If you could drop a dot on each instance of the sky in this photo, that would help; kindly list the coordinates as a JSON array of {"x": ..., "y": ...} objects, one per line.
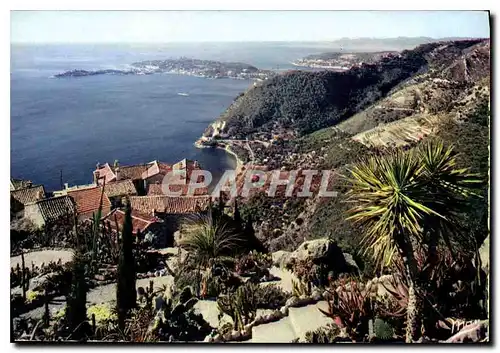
[{"x": 222, "y": 26}]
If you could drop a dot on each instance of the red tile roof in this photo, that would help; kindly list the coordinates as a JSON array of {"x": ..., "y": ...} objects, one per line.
[
  {"x": 139, "y": 221},
  {"x": 155, "y": 189},
  {"x": 133, "y": 172},
  {"x": 120, "y": 188},
  {"x": 87, "y": 201},
  {"x": 168, "y": 204},
  {"x": 105, "y": 172},
  {"x": 30, "y": 194}
]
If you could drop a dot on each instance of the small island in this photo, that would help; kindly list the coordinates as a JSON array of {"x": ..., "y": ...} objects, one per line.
[{"x": 183, "y": 66}]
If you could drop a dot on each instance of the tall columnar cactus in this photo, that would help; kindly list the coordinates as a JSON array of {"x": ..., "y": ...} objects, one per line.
[
  {"x": 25, "y": 280},
  {"x": 76, "y": 309},
  {"x": 126, "y": 294}
]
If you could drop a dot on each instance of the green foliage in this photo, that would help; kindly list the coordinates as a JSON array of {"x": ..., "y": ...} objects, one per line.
[
  {"x": 383, "y": 330},
  {"x": 76, "y": 309},
  {"x": 309, "y": 101},
  {"x": 209, "y": 238},
  {"x": 271, "y": 296},
  {"x": 325, "y": 334},
  {"x": 301, "y": 288},
  {"x": 241, "y": 306},
  {"x": 126, "y": 294},
  {"x": 398, "y": 193}
]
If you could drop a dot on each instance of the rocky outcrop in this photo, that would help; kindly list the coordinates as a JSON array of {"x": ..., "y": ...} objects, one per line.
[{"x": 319, "y": 251}]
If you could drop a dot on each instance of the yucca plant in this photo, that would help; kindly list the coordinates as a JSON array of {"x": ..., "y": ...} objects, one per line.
[
  {"x": 397, "y": 196},
  {"x": 209, "y": 239}
]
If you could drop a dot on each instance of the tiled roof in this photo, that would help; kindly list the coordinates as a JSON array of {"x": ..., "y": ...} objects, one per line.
[
  {"x": 133, "y": 172},
  {"x": 16, "y": 184},
  {"x": 30, "y": 194},
  {"x": 56, "y": 207},
  {"x": 105, "y": 172},
  {"x": 156, "y": 189},
  {"x": 167, "y": 204},
  {"x": 139, "y": 221},
  {"x": 120, "y": 188},
  {"x": 156, "y": 168},
  {"x": 87, "y": 200}
]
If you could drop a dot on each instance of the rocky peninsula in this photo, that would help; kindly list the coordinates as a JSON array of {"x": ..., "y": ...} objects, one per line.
[{"x": 183, "y": 66}]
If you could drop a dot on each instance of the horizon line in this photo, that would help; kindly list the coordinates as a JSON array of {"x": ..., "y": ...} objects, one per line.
[{"x": 253, "y": 41}]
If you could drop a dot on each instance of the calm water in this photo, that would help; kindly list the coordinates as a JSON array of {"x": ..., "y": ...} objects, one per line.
[{"x": 70, "y": 124}]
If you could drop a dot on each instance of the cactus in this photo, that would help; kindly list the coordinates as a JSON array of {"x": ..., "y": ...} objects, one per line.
[
  {"x": 383, "y": 330},
  {"x": 25, "y": 280},
  {"x": 240, "y": 306},
  {"x": 325, "y": 334},
  {"x": 46, "y": 314},
  {"x": 299, "y": 288}
]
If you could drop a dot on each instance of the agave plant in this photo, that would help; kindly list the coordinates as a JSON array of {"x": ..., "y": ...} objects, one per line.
[
  {"x": 350, "y": 307},
  {"x": 397, "y": 197}
]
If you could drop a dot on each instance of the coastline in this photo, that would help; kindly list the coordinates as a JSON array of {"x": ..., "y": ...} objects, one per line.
[{"x": 226, "y": 148}]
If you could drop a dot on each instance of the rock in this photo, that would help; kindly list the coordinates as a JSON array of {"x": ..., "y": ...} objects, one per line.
[
  {"x": 218, "y": 338},
  {"x": 317, "y": 249},
  {"x": 281, "y": 258},
  {"x": 291, "y": 302},
  {"x": 208, "y": 339},
  {"x": 284, "y": 310},
  {"x": 476, "y": 332}
]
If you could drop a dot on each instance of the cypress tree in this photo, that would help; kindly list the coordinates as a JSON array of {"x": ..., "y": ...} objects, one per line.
[
  {"x": 126, "y": 295},
  {"x": 253, "y": 242},
  {"x": 76, "y": 309},
  {"x": 237, "y": 216}
]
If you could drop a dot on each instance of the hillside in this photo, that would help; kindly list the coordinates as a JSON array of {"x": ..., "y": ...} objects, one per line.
[
  {"x": 297, "y": 103},
  {"x": 438, "y": 90}
]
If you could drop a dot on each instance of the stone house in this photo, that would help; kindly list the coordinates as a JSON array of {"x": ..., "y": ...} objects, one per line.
[
  {"x": 46, "y": 211},
  {"x": 16, "y": 184},
  {"x": 20, "y": 197}
]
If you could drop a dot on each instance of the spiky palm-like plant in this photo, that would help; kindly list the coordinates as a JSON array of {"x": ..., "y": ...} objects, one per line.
[
  {"x": 209, "y": 239},
  {"x": 397, "y": 196}
]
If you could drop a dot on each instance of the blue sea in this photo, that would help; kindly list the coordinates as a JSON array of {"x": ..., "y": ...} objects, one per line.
[{"x": 70, "y": 124}]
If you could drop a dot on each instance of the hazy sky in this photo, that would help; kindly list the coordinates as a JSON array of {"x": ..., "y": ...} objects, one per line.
[{"x": 188, "y": 26}]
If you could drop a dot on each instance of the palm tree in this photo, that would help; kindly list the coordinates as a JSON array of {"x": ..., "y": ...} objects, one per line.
[{"x": 397, "y": 197}]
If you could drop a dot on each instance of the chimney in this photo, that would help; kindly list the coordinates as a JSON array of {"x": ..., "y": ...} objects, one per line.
[
  {"x": 117, "y": 173},
  {"x": 96, "y": 177},
  {"x": 66, "y": 186}
]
